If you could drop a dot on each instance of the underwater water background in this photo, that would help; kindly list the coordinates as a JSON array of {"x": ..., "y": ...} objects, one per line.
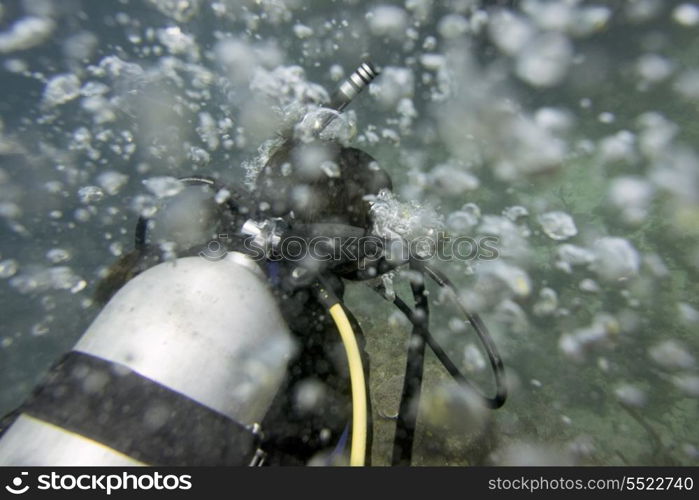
[{"x": 568, "y": 129}]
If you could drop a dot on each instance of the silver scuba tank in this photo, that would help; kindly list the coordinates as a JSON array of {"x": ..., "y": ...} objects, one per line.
[{"x": 178, "y": 368}]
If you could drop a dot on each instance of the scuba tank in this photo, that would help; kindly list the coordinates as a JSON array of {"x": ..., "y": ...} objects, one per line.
[{"x": 178, "y": 368}]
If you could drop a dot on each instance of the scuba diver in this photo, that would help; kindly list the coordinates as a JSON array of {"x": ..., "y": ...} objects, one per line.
[{"x": 239, "y": 350}]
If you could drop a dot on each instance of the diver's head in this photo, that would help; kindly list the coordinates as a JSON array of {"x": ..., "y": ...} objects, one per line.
[{"x": 320, "y": 182}]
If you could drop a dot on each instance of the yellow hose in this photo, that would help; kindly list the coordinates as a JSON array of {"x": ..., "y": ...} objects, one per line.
[{"x": 359, "y": 401}]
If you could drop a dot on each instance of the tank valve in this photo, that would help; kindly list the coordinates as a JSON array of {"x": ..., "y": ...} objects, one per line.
[{"x": 356, "y": 82}]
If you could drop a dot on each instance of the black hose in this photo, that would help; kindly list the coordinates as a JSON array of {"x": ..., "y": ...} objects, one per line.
[
  {"x": 475, "y": 320},
  {"x": 483, "y": 335},
  {"x": 412, "y": 383},
  {"x": 444, "y": 358}
]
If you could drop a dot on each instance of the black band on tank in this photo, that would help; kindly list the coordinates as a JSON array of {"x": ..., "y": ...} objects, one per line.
[{"x": 113, "y": 405}]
